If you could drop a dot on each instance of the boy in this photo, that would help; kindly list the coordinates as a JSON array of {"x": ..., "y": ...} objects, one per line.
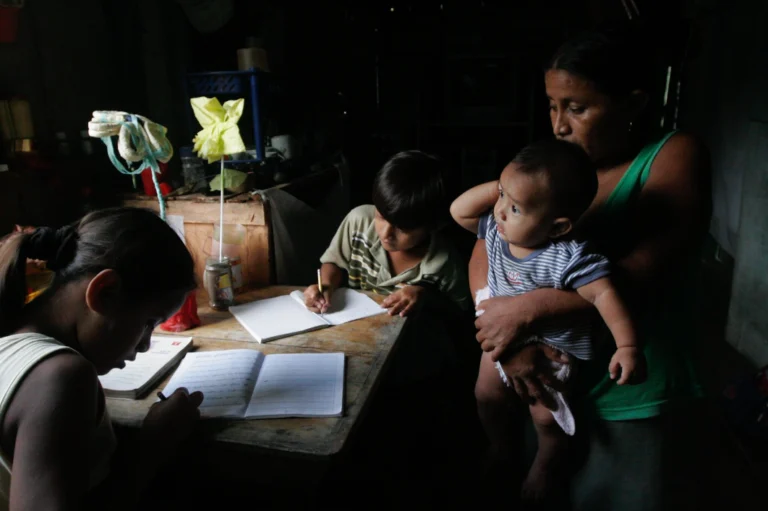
[
  {"x": 392, "y": 247},
  {"x": 535, "y": 203}
]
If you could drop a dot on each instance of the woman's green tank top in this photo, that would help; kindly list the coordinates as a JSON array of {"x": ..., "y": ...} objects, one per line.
[{"x": 667, "y": 332}]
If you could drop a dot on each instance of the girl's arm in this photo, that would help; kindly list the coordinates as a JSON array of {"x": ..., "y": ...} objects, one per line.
[
  {"x": 55, "y": 415},
  {"x": 472, "y": 204}
]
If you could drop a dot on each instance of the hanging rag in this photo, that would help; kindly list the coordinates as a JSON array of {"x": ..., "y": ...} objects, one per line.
[{"x": 138, "y": 140}]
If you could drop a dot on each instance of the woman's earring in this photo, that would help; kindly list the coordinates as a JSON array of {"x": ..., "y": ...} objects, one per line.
[{"x": 630, "y": 127}]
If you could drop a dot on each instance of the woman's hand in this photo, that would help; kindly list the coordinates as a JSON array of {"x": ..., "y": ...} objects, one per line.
[
  {"x": 530, "y": 369},
  {"x": 403, "y": 301},
  {"x": 502, "y": 320}
]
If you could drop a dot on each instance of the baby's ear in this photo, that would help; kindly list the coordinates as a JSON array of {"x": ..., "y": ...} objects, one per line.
[{"x": 560, "y": 227}]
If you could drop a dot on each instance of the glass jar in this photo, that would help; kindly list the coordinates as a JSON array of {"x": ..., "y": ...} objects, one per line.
[{"x": 218, "y": 284}]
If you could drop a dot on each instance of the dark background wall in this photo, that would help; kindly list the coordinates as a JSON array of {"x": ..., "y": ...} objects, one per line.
[{"x": 458, "y": 78}]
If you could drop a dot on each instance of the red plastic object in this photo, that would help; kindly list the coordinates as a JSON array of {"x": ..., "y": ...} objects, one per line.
[
  {"x": 186, "y": 318},
  {"x": 149, "y": 185},
  {"x": 9, "y": 24}
]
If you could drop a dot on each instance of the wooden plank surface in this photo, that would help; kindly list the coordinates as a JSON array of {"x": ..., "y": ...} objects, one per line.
[
  {"x": 246, "y": 213},
  {"x": 199, "y": 221},
  {"x": 255, "y": 253},
  {"x": 367, "y": 343}
]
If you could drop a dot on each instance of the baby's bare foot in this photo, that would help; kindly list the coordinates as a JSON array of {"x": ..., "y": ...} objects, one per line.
[{"x": 538, "y": 484}]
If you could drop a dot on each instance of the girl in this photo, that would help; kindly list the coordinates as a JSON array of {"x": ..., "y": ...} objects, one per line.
[{"x": 118, "y": 274}]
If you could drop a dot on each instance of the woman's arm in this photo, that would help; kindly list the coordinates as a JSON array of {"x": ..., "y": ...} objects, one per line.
[
  {"x": 669, "y": 219},
  {"x": 507, "y": 318},
  {"x": 478, "y": 267}
]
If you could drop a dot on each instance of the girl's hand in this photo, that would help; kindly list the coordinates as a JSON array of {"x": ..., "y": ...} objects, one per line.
[
  {"x": 168, "y": 423},
  {"x": 403, "y": 301}
]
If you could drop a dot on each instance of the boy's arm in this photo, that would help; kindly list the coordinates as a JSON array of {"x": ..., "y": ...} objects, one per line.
[
  {"x": 603, "y": 295},
  {"x": 331, "y": 276},
  {"x": 472, "y": 204}
]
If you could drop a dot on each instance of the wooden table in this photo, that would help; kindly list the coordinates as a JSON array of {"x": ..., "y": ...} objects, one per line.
[{"x": 368, "y": 345}]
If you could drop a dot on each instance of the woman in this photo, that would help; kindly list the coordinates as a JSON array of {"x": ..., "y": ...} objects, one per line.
[{"x": 649, "y": 216}]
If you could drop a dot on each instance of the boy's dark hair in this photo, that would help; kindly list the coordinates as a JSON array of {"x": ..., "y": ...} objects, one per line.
[
  {"x": 409, "y": 191},
  {"x": 571, "y": 175},
  {"x": 146, "y": 252}
]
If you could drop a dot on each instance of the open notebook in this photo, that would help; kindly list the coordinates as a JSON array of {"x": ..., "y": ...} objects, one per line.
[
  {"x": 273, "y": 318},
  {"x": 249, "y": 384},
  {"x": 140, "y": 375}
]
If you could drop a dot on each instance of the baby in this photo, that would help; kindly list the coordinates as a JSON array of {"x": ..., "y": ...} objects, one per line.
[{"x": 533, "y": 206}]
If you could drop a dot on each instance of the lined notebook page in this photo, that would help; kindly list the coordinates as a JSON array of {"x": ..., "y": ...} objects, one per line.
[
  {"x": 346, "y": 305},
  {"x": 162, "y": 353},
  {"x": 226, "y": 379},
  {"x": 300, "y": 385},
  {"x": 273, "y": 318}
]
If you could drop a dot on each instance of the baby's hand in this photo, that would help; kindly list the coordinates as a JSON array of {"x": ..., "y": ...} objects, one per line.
[
  {"x": 402, "y": 302},
  {"x": 631, "y": 361},
  {"x": 317, "y": 301}
]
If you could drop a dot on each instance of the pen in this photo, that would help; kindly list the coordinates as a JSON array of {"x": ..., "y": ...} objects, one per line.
[
  {"x": 320, "y": 287},
  {"x": 161, "y": 396}
]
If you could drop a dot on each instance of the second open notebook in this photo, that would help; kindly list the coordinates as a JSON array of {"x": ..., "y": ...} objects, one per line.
[
  {"x": 249, "y": 384},
  {"x": 282, "y": 316}
]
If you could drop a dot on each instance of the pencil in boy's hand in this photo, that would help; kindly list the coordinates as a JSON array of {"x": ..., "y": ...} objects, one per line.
[
  {"x": 161, "y": 396},
  {"x": 319, "y": 282}
]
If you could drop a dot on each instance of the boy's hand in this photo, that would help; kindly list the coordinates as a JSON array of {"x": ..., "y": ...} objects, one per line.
[
  {"x": 402, "y": 302},
  {"x": 631, "y": 361},
  {"x": 315, "y": 300}
]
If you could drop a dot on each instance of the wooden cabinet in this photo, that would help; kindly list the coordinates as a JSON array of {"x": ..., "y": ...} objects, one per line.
[{"x": 201, "y": 214}]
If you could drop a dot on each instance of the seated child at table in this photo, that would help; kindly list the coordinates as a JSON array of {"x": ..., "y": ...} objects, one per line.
[
  {"x": 393, "y": 247},
  {"x": 110, "y": 290},
  {"x": 523, "y": 217}
]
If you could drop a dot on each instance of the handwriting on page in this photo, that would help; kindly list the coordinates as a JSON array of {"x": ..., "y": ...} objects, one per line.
[
  {"x": 299, "y": 385},
  {"x": 226, "y": 378}
]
